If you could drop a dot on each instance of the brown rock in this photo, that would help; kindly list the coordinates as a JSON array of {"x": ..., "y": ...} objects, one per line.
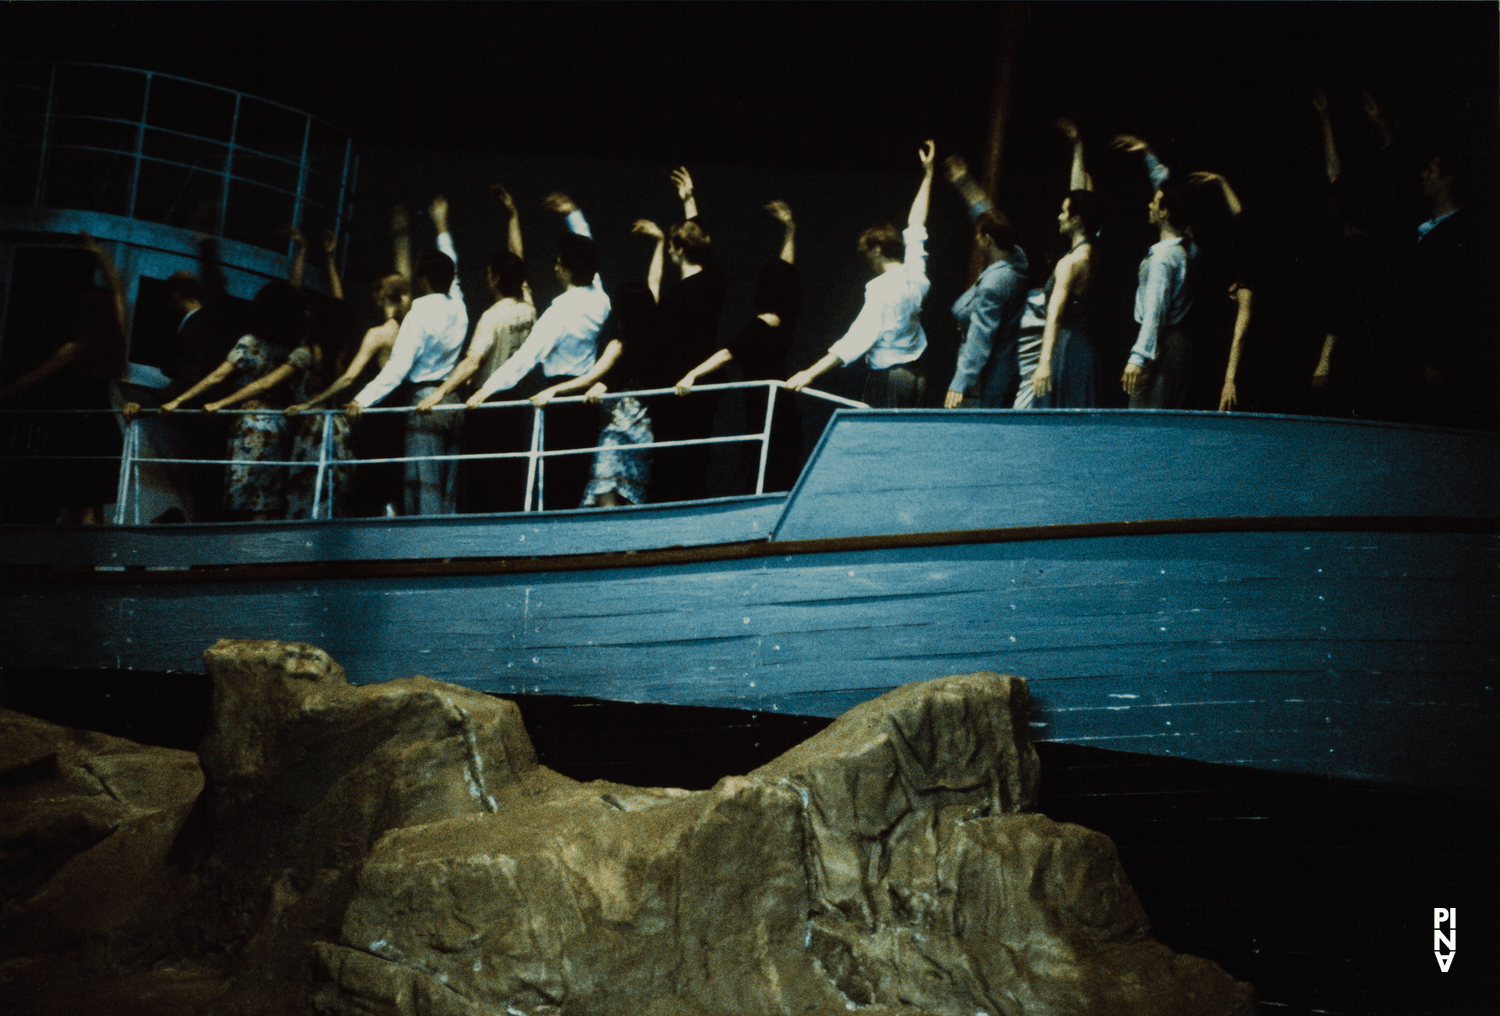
[{"x": 395, "y": 849}]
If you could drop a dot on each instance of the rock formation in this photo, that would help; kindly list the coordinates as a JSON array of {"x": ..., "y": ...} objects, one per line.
[{"x": 396, "y": 849}]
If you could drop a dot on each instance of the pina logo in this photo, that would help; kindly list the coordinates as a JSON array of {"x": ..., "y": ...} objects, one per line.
[{"x": 1444, "y": 939}]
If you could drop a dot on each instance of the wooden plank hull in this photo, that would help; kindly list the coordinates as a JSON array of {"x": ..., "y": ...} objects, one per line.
[{"x": 1368, "y": 655}]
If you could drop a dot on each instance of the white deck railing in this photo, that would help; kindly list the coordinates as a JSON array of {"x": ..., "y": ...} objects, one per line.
[{"x": 131, "y": 458}]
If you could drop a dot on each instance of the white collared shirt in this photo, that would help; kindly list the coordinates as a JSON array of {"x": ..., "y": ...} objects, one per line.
[
  {"x": 889, "y": 325},
  {"x": 431, "y": 337},
  {"x": 565, "y": 336}
]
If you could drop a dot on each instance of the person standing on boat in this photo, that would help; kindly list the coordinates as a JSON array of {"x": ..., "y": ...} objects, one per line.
[
  {"x": 502, "y": 329},
  {"x": 392, "y": 295},
  {"x": 1064, "y": 375},
  {"x": 78, "y": 376},
  {"x": 329, "y": 328},
  {"x": 689, "y": 316},
  {"x": 1158, "y": 371},
  {"x": 381, "y": 436},
  {"x": 561, "y": 346},
  {"x": 761, "y": 350},
  {"x": 989, "y": 312},
  {"x": 888, "y": 331},
  {"x": 427, "y": 346}
]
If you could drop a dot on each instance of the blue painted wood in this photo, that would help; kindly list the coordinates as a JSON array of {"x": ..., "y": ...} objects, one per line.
[
  {"x": 1234, "y": 645},
  {"x": 882, "y": 472},
  {"x": 581, "y": 531}
]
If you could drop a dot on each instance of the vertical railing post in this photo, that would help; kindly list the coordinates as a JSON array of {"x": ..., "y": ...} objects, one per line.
[
  {"x": 541, "y": 460},
  {"x": 140, "y": 143},
  {"x": 234, "y": 133},
  {"x": 41, "y": 159},
  {"x": 122, "y": 488},
  {"x": 536, "y": 431},
  {"x": 338, "y": 212},
  {"x": 765, "y": 435},
  {"x": 135, "y": 479},
  {"x": 301, "y": 183},
  {"x": 323, "y": 442}
]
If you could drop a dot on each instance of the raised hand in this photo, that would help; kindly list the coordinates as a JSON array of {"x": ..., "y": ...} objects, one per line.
[
  {"x": 400, "y": 221},
  {"x": 294, "y": 234},
  {"x": 500, "y": 194},
  {"x": 439, "y": 212},
  {"x": 955, "y": 168},
  {"x": 683, "y": 181},
  {"x": 927, "y": 154},
  {"x": 1320, "y": 101},
  {"x": 330, "y": 242},
  {"x": 1204, "y": 177},
  {"x": 1371, "y": 107},
  {"x": 560, "y": 203},
  {"x": 646, "y": 227},
  {"x": 1069, "y": 129},
  {"x": 1130, "y": 143},
  {"x": 780, "y": 211}
]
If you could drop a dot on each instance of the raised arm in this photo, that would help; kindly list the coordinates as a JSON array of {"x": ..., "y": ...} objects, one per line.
[
  {"x": 254, "y": 388},
  {"x": 917, "y": 218},
  {"x": 1154, "y": 166},
  {"x": 1078, "y": 179},
  {"x": 646, "y": 227},
  {"x": 1230, "y": 198},
  {"x": 683, "y": 181},
  {"x": 299, "y": 256},
  {"x": 957, "y": 172},
  {"x": 1331, "y": 164},
  {"x": 782, "y": 212},
  {"x": 111, "y": 276},
  {"x": 439, "y": 212},
  {"x": 513, "y": 218},
  {"x": 401, "y": 240},
  {"x": 331, "y": 244},
  {"x": 1372, "y": 110}
]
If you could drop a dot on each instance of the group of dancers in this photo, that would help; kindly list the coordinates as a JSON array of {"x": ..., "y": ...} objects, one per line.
[{"x": 1022, "y": 346}]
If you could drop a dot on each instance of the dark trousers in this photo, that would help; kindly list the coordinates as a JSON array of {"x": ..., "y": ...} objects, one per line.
[
  {"x": 898, "y": 387},
  {"x": 1169, "y": 375},
  {"x": 432, "y": 486}
]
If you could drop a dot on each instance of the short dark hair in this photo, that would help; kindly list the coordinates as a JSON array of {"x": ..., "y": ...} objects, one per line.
[
  {"x": 391, "y": 288},
  {"x": 690, "y": 238},
  {"x": 509, "y": 272},
  {"x": 1089, "y": 207},
  {"x": 1178, "y": 203},
  {"x": 578, "y": 255},
  {"x": 184, "y": 286},
  {"x": 885, "y": 238},
  {"x": 997, "y": 226},
  {"x": 437, "y": 268}
]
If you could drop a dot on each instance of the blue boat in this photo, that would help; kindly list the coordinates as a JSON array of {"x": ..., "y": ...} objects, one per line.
[{"x": 1307, "y": 595}]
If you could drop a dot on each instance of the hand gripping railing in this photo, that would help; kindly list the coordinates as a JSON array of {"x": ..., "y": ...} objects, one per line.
[{"x": 131, "y": 458}]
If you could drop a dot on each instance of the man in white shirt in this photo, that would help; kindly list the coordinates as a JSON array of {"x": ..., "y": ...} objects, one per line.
[
  {"x": 561, "y": 346},
  {"x": 427, "y": 346},
  {"x": 888, "y": 331}
]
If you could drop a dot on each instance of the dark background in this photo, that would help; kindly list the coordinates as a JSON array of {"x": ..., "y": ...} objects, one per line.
[{"x": 1319, "y": 892}]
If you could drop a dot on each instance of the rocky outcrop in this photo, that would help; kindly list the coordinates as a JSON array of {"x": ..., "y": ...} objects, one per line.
[{"x": 395, "y": 849}]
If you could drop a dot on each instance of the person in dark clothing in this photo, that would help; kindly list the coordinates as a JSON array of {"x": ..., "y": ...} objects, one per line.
[
  {"x": 689, "y": 316},
  {"x": 761, "y": 349},
  {"x": 1452, "y": 311},
  {"x": 78, "y": 375}
]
